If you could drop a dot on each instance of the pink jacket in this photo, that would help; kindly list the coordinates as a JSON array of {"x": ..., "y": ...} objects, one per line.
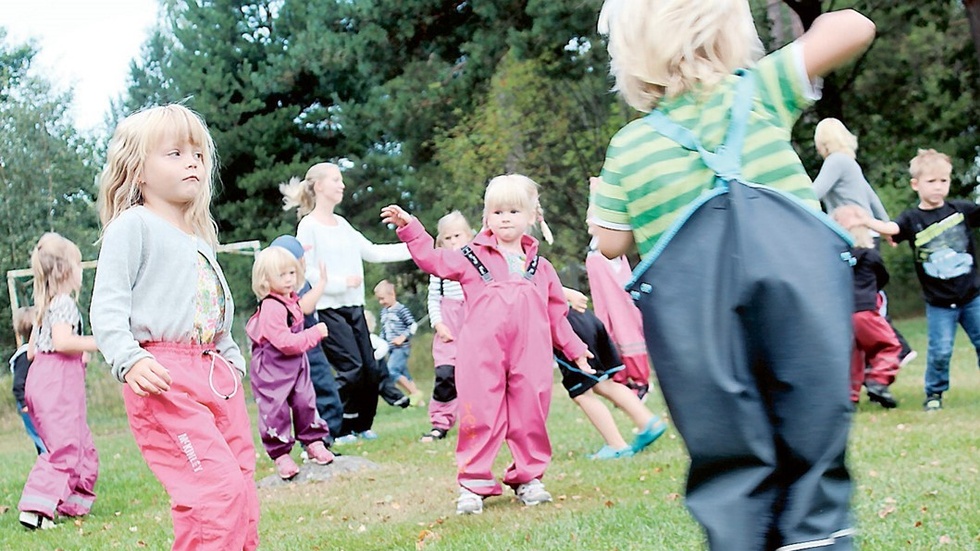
[
  {"x": 268, "y": 324},
  {"x": 451, "y": 264}
]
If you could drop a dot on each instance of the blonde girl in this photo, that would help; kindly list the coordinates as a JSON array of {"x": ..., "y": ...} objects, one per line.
[
  {"x": 62, "y": 480},
  {"x": 331, "y": 240},
  {"x": 841, "y": 180},
  {"x": 515, "y": 313},
  {"x": 280, "y": 370},
  {"x": 445, "y": 303},
  {"x": 162, "y": 314}
]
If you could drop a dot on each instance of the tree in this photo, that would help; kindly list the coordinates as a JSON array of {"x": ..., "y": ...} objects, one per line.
[{"x": 47, "y": 170}]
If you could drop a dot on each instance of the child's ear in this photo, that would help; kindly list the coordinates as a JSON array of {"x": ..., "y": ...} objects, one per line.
[{"x": 914, "y": 182}]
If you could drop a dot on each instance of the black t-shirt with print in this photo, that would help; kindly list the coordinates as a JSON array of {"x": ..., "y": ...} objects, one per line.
[{"x": 943, "y": 249}]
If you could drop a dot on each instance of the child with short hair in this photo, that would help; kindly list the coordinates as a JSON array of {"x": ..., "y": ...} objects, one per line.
[
  {"x": 20, "y": 364},
  {"x": 939, "y": 234},
  {"x": 162, "y": 313},
  {"x": 321, "y": 372},
  {"x": 446, "y": 304},
  {"x": 387, "y": 388},
  {"x": 744, "y": 294},
  {"x": 280, "y": 372},
  {"x": 397, "y": 323},
  {"x": 876, "y": 346},
  {"x": 583, "y": 387},
  {"x": 62, "y": 480},
  {"x": 504, "y": 390}
]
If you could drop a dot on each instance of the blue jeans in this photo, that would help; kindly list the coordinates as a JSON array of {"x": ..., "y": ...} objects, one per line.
[
  {"x": 942, "y": 331},
  {"x": 31, "y": 431},
  {"x": 398, "y": 362}
]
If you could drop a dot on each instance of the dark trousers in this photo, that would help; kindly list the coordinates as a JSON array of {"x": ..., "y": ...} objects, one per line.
[
  {"x": 747, "y": 316},
  {"x": 348, "y": 348},
  {"x": 328, "y": 403},
  {"x": 389, "y": 391}
]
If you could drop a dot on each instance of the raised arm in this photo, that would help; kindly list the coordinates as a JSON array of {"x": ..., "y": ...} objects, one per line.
[{"x": 834, "y": 39}]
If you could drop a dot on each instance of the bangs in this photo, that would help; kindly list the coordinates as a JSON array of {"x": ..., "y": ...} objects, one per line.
[
  {"x": 512, "y": 190},
  {"x": 180, "y": 124}
]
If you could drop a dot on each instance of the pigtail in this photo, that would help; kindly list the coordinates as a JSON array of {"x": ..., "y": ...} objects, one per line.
[
  {"x": 298, "y": 194},
  {"x": 545, "y": 230}
]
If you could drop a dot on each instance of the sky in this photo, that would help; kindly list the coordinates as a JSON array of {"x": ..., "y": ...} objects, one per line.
[{"x": 84, "y": 44}]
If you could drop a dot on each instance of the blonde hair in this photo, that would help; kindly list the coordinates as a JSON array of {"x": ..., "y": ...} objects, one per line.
[
  {"x": 516, "y": 190},
  {"x": 299, "y": 194},
  {"x": 134, "y": 137},
  {"x": 835, "y": 138},
  {"x": 454, "y": 219},
  {"x": 54, "y": 261},
  {"x": 384, "y": 286},
  {"x": 848, "y": 216},
  {"x": 24, "y": 321},
  {"x": 928, "y": 158},
  {"x": 666, "y": 48},
  {"x": 269, "y": 263}
]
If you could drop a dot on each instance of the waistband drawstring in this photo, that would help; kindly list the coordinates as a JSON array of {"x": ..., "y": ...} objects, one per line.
[{"x": 231, "y": 370}]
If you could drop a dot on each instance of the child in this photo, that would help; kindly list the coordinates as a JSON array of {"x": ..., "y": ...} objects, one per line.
[
  {"x": 321, "y": 372},
  {"x": 583, "y": 387},
  {"x": 280, "y": 371},
  {"x": 396, "y": 329},
  {"x": 20, "y": 364},
  {"x": 446, "y": 305},
  {"x": 938, "y": 231},
  {"x": 518, "y": 312},
  {"x": 875, "y": 343},
  {"x": 616, "y": 311},
  {"x": 162, "y": 313},
  {"x": 388, "y": 389},
  {"x": 744, "y": 295},
  {"x": 334, "y": 242},
  {"x": 63, "y": 479}
]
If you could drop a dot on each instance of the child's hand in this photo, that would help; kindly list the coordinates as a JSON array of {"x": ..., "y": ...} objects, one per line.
[
  {"x": 147, "y": 377},
  {"x": 443, "y": 332},
  {"x": 397, "y": 341},
  {"x": 577, "y": 300},
  {"x": 322, "y": 328},
  {"x": 354, "y": 281},
  {"x": 582, "y": 362},
  {"x": 393, "y": 214},
  {"x": 24, "y": 409}
]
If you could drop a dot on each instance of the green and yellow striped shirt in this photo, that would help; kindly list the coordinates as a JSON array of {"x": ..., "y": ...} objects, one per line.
[{"x": 648, "y": 180}]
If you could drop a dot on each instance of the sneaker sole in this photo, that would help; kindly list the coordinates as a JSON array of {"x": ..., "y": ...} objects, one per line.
[{"x": 882, "y": 401}]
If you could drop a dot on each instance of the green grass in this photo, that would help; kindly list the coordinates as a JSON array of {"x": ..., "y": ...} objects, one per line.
[{"x": 915, "y": 484}]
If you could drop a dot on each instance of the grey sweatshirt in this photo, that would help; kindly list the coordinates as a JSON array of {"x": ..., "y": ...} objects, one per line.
[
  {"x": 145, "y": 287},
  {"x": 841, "y": 182}
]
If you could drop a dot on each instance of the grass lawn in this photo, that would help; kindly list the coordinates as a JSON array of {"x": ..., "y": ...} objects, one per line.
[{"x": 915, "y": 482}]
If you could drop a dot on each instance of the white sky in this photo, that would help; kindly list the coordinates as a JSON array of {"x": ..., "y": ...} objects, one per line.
[{"x": 84, "y": 44}]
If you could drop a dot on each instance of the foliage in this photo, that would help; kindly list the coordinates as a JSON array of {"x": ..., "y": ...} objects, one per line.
[{"x": 47, "y": 170}]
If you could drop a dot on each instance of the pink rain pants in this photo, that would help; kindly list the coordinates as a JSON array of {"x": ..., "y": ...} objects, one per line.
[
  {"x": 442, "y": 412},
  {"x": 504, "y": 386},
  {"x": 199, "y": 445},
  {"x": 63, "y": 479}
]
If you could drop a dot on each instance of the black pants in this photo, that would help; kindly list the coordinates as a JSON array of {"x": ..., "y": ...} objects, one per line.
[
  {"x": 388, "y": 389},
  {"x": 328, "y": 403},
  {"x": 348, "y": 348},
  {"x": 747, "y": 315}
]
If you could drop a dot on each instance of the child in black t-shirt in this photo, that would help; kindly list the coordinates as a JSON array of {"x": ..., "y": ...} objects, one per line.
[{"x": 939, "y": 233}]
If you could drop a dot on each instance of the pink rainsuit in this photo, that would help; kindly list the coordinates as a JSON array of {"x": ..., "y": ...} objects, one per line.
[
  {"x": 280, "y": 375},
  {"x": 442, "y": 411},
  {"x": 63, "y": 479},
  {"x": 504, "y": 385},
  {"x": 615, "y": 309}
]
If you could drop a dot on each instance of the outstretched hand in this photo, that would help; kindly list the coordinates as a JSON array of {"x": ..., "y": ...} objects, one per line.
[{"x": 393, "y": 214}]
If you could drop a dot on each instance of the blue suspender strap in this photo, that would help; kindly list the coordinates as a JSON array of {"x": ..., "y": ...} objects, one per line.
[{"x": 480, "y": 267}]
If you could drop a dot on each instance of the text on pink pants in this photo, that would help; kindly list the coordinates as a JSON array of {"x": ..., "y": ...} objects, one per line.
[{"x": 199, "y": 445}]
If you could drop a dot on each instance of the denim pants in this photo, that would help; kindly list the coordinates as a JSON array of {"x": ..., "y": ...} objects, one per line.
[{"x": 942, "y": 332}]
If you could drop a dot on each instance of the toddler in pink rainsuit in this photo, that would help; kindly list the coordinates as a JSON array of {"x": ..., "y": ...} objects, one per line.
[
  {"x": 63, "y": 478},
  {"x": 280, "y": 369},
  {"x": 515, "y": 311}
]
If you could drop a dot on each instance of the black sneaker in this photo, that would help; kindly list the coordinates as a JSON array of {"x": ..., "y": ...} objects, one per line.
[
  {"x": 879, "y": 394},
  {"x": 934, "y": 402}
]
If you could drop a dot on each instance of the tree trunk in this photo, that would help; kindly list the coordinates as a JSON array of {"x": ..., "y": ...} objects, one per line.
[{"x": 973, "y": 15}]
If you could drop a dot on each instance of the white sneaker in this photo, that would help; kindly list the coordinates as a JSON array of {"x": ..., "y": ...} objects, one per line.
[
  {"x": 908, "y": 358},
  {"x": 468, "y": 503},
  {"x": 35, "y": 521},
  {"x": 532, "y": 493}
]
